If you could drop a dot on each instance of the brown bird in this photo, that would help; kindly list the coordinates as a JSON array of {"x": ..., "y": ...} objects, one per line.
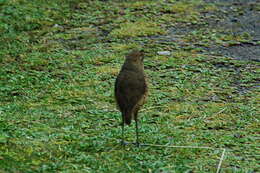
[{"x": 131, "y": 89}]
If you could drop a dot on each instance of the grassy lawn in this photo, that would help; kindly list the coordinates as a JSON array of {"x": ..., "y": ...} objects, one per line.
[{"x": 58, "y": 64}]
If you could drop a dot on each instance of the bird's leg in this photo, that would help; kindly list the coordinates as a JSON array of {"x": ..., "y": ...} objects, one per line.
[
  {"x": 123, "y": 131},
  {"x": 136, "y": 131}
]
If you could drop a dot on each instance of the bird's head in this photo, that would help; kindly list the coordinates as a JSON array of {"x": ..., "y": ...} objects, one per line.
[{"x": 136, "y": 56}]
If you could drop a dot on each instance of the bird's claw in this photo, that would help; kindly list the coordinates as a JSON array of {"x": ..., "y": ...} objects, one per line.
[{"x": 123, "y": 143}]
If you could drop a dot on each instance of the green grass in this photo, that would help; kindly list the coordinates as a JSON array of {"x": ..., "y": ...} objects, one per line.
[
  {"x": 58, "y": 64},
  {"x": 139, "y": 28}
]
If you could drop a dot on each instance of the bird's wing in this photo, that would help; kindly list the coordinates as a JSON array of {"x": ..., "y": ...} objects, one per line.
[{"x": 129, "y": 89}]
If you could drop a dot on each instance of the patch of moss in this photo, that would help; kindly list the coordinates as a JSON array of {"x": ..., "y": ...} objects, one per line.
[
  {"x": 138, "y": 28},
  {"x": 186, "y": 11},
  {"x": 123, "y": 47}
]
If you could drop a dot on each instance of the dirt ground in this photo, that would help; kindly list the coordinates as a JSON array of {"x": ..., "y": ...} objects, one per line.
[
  {"x": 234, "y": 18},
  {"x": 239, "y": 17}
]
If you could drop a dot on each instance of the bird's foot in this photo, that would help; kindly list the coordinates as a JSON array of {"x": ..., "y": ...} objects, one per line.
[{"x": 123, "y": 143}]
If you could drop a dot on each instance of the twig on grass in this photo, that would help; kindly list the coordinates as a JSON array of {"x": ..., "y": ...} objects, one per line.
[
  {"x": 181, "y": 146},
  {"x": 221, "y": 159}
]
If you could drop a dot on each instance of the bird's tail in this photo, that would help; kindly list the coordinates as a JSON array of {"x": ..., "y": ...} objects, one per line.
[{"x": 127, "y": 117}]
